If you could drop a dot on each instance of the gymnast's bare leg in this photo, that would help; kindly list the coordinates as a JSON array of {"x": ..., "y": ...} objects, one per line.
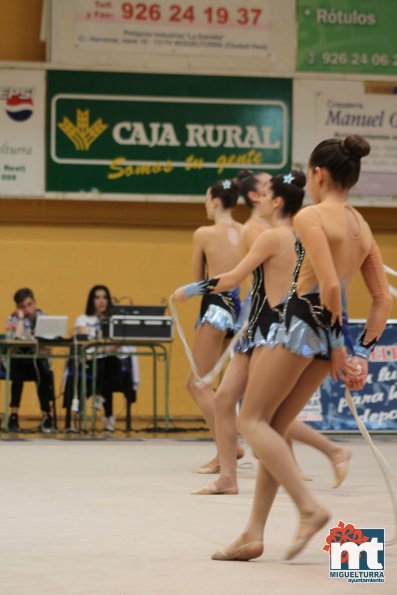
[
  {"x": 272, "y": 401},
  {"x": 209, "y": 344},
  {"x": 228, "y": 394},
  {"x": 338, "y": 455}
]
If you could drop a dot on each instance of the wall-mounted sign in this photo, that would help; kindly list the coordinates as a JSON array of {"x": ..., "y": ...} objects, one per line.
[
  {"x": 254, "y": 36},
  {"x": 334, "y": 109},
  {"x": 162, "y": 135},
  {"x": 348, "y": 36},
  {"x": 376, "y": 403},
  {"x": 22, "y": 97}
]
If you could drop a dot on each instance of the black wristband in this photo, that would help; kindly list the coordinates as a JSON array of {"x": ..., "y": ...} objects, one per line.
[{"x": 211, "y": 285}]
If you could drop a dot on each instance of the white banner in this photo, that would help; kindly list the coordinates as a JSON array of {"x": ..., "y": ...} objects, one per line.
[
  {"x": 169, "y": 34},
  {"x": 335, "y": 109},
  {"x": 22, "y": 100}
]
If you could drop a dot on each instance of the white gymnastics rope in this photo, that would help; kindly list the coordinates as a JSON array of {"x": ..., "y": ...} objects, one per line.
[
  {"x": 390, "y": 271},
  {"x": 387, "y": 472},
  {"x": 209, "y": 377}
]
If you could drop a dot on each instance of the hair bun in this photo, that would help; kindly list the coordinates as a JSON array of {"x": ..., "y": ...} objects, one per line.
[
  {"x": 241, "y": 176},
  {"x": 299, "y": 178},
  {"x": 244, "y": 173},
  {"x": 356, "y": 146},
  {"x": 230, "y": 185}
]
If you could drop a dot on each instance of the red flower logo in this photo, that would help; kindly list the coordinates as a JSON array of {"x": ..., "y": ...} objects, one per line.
[{"x": 342, "y": 534}]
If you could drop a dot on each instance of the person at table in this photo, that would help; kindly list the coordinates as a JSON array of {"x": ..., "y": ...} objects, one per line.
[
  {"x": 20, "y": 325},
  {"x": 115, "y": 373}
]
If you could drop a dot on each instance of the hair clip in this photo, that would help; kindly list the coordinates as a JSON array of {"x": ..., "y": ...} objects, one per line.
[
  {"x": 226, "y": 184},
  {"x": 288, "y": 179}
]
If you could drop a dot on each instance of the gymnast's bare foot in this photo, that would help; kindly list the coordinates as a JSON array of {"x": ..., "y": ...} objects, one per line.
[
  {"x": 310, "y": 524},
  {"x": 243, "y": 549},
  {"x": 220, "y": 486},
  {"x": 213, "y": 466},
  {"x": 340, "y": 462}
]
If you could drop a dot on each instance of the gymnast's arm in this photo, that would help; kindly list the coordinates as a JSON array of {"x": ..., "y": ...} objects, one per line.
[
  {"x": 375, "y": 279},
  {"x": 265, "y": 246}
]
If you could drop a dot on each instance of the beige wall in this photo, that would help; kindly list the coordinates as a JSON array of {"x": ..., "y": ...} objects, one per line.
[
  {"x": 145, "y": 262},
  {"x": 61, "y": 249},
  {"x": 61, "y": 264}
]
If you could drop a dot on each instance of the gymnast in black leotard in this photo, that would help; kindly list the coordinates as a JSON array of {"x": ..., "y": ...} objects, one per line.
[
  {"x": 337, "y": 244},
  {"x": 263, "y": 324},
  {"x": 273, "y": 251},
  {"x": 215, "y": 249}
]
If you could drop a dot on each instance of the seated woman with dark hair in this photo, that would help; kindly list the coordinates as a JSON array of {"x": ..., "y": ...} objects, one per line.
[{"x": 114, "y": 373}]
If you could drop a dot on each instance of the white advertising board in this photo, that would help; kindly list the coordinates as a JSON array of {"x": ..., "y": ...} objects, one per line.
[
  {"x": 188, "y": 36},
  {"x": 335, "y": 109},
  {"x": 22, "y": 113}
]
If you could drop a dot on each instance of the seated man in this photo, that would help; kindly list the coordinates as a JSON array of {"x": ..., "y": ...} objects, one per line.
[{"x": 20, "y": 325}]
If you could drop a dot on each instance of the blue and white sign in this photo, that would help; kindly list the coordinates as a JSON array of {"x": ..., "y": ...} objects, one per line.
[{"x": 376, "y": 403}]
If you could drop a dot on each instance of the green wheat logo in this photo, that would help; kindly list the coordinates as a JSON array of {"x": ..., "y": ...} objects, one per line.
[{"x": 82, "y": 134}]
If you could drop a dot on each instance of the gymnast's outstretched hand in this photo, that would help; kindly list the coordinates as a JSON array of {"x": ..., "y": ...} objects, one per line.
[
  {"x": 179, "y": 295},
  {"x": 182, "y": 294}
]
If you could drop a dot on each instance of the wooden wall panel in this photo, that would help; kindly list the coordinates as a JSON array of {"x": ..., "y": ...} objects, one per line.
[
  {"x": 20, "y": 30},
  {"x": 68, "y": 212}
]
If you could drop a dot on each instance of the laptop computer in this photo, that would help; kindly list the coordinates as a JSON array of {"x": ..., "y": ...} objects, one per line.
[{"x": 51, "y": 327}]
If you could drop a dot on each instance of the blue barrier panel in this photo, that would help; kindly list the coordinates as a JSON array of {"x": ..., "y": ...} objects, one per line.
[{"x": 376, "y": 403}]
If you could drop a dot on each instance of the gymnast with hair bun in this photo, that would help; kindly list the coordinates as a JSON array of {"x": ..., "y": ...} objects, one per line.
[
  {"x": 272, "y": 259},
  {"x": 216, "y": 248},
  {"x": 335, "y": 243}
]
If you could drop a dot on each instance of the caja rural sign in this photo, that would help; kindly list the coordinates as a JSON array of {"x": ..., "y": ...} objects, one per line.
[{"x": 162, "y": 135}]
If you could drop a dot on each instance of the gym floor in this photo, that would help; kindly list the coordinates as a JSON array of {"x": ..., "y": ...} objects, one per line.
[{"x": 113, "y": 515}]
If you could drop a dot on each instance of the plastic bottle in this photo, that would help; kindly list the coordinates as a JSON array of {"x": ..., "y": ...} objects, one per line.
[
  {"x": 10, "y": 331},
  {"x": 27, "y": 330},
  {"x": 98, "y": 330}
]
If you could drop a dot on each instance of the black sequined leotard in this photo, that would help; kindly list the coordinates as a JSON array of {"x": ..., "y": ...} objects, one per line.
[
  {"x": 306, "y": 328},
  {"x": 261, "y": 317},
  {"x": 220, "y": 310}
]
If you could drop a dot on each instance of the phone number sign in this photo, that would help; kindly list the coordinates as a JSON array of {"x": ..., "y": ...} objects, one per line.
[
  {"x": 347, "y": 36},
  {"x": 186, "y": 27}
]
